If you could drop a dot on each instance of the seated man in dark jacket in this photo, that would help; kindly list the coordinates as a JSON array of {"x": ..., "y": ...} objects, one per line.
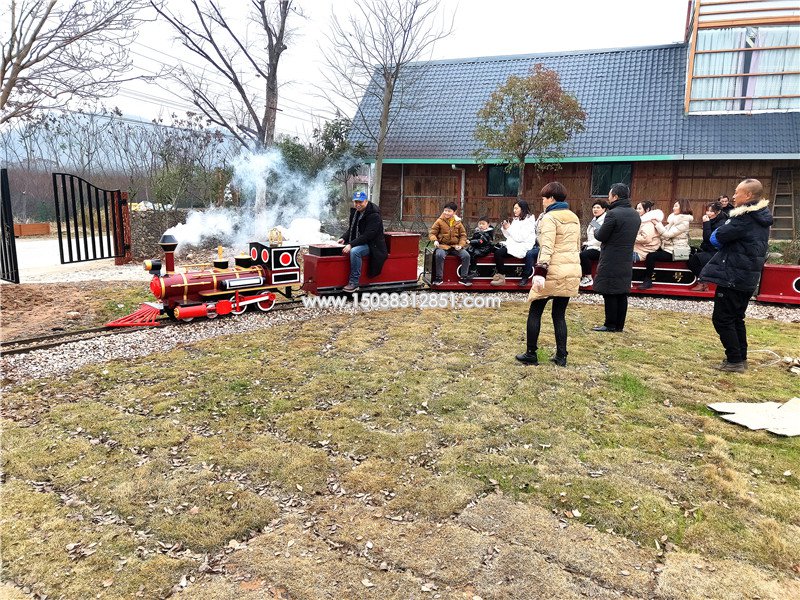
[
  {"x": 364, "y": 237},
  {"x": 713, "y": 218},
  {"x": 742, "y": 243}
]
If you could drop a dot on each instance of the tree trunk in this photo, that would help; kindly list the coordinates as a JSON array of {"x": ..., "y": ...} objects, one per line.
[
  {"x": 384, "y": 129},
  {"x": 521, "y": 186},
  {"x": 376, "y": 182},
  {"x": 271, "y": 106}
]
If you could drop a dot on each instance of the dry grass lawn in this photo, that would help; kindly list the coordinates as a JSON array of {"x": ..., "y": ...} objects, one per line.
[{"x": 404, "y": 454}]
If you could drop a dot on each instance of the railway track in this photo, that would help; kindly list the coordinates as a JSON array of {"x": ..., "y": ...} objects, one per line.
[{"x": 44, "y": 342}]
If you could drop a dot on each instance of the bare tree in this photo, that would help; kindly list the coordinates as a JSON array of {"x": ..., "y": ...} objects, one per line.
[
  {"x": 57, "y": 51},
  {"x": 370, "y": 51},
  {"x": 245, "y": 106}
]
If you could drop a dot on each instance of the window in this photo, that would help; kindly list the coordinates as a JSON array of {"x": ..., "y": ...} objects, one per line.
[
  {"x": 502, "y": 183},
  {"x": 743, "y": 69},
  {"x": 604, "y": 175}
]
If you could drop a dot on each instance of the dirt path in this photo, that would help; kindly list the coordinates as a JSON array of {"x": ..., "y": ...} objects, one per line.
[{"x": 33, "y": 309}]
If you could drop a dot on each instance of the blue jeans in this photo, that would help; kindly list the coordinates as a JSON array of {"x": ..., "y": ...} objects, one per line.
[
  {"x": 530, "y": 259},
  {"x": 356, "y": 254}
]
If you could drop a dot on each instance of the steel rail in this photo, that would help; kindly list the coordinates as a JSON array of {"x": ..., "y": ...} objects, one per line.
[{"x": 23, "y": 346}]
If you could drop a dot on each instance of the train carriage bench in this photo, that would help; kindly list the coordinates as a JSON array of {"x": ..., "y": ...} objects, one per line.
[{"x": 779, "y": 283}]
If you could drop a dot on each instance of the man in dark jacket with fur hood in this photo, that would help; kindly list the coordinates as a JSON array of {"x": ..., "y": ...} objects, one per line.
[
  {"x": 742, "y": 243},
  {"x": 364, "y": 237}
]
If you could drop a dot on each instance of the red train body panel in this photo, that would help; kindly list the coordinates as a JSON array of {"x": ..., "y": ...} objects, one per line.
[
  {"x": 326, "y": 270},
  {"x": 780, "y": 284},
  {"x": 217, "y": 289}
]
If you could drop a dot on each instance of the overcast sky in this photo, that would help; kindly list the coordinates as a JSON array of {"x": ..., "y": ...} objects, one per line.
[{"x": 481, "y": 28}]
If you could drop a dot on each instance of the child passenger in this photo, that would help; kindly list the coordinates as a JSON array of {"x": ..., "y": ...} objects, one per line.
[
  {"x": 480, "y": 244},
  {"x": 449, "y": 237}
]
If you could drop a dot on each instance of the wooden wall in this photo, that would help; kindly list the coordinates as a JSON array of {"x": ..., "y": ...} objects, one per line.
[{"x": 427, "y": 187}]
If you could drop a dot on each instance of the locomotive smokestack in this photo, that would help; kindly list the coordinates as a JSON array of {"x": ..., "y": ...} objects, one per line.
[{"x": 168, "y": 244}]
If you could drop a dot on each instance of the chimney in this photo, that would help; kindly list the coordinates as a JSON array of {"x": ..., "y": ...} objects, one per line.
[{"x": 168, "y": 244}]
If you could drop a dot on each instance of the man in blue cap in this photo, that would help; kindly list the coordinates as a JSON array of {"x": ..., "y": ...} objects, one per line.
[{"x": 364, "y": 237}]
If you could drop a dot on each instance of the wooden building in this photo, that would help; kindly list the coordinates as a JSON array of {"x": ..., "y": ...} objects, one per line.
[{"x": 678, "y": 121}]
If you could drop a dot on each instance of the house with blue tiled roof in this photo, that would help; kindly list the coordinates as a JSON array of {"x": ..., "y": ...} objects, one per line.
[{"x": 686, "y": 120}]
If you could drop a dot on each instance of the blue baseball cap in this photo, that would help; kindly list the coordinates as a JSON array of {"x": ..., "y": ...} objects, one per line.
[{"x": 359, "y": 196}]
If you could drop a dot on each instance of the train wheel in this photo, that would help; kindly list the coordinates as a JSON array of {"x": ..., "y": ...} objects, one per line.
[
  {"x": 241, "y": 309},
  {"x": 212, "y": 315},
  {"x": 266, "y": 305},
  {"x": 189, "y": 320}
]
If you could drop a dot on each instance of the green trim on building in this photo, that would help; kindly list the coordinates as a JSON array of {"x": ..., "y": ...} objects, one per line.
[
  {"x": 472, "y": 161},
  {"x": 591, "y": 159}
]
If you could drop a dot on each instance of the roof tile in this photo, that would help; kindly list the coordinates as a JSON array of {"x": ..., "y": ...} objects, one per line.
[{"x": 633, "y": 98}]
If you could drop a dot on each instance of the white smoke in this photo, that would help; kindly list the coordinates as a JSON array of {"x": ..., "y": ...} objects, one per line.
[{"x": 273, "y": 196}]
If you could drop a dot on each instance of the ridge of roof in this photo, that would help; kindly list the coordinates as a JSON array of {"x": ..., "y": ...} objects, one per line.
[{"x": 511, "y": 57}]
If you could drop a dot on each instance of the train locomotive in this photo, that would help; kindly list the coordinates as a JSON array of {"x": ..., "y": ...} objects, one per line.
[
  {"x": 217, "y": 288},
  {"x": 256, "y": 279}
]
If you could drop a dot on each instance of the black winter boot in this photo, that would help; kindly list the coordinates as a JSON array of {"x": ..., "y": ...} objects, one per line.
[{"x": 528, "y": 358}]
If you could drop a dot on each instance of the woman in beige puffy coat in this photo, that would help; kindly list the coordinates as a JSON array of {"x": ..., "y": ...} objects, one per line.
[
  {"x": 648, "y": 239},
  {"x": 557, "y": 273},
  {"x": 674, "y": 240}
]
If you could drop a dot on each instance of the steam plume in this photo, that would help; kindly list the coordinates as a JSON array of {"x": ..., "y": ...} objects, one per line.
[{"x": 274, "y": 196}]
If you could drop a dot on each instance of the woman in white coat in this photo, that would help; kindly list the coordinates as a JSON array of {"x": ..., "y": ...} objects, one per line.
[
  {"x": 674, "y": 240},
  {"x": 591, "y": 250},
  {"x": 520, "y": 234}
]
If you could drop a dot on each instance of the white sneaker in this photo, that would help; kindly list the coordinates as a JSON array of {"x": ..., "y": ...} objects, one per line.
[{"x": 586, "y": 281}]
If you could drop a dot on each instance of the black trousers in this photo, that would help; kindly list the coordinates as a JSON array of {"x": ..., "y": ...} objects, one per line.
[
  {"x": 586, "y": 257},
  {"x": 650, "y": 262},
  {"x": 475, "y": 253},
  {"x": 728, "y": 319},
  {"x": 616, "y": 306},
  {"x": 559, "y": 324},
  {"x": 697, "y": 261},
  {"x": 501, "y": 254}
]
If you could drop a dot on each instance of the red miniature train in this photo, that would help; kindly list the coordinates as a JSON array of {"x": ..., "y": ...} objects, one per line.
[
  {"x": 214, "y": 289},
  {"x": 210, "y": 290},
  {"x": 780, "y": 284}
]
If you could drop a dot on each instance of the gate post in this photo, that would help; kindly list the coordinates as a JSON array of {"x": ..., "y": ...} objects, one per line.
[
  {"x": 9, "y": 268},
  {"x": 124, "y": 230}
]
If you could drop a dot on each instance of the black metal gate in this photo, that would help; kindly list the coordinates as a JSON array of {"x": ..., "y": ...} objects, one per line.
[
  {"x": 89, "y": 220},
  {"x": 8, "y": 252}
]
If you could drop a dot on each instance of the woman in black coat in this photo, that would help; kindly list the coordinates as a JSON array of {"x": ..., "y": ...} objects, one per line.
[
  {"x": 615, "y": 269},
  {"x": 713, "y": 218}
]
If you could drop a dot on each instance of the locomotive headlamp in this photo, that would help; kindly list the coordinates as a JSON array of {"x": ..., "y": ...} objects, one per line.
[{"x": 153, "y": 266}]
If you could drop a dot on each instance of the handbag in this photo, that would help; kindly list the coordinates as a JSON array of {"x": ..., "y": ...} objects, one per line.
[{"x": 681, "y": 253}]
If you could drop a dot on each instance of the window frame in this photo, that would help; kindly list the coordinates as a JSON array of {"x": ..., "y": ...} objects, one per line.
[
  {"x": 743, "y": 86},
  {"x": 611, "y": 165},
  {"x": 506, "y": 174}
]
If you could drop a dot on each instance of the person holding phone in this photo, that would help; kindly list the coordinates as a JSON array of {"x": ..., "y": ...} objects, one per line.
[{"x": 520, "y": 234}]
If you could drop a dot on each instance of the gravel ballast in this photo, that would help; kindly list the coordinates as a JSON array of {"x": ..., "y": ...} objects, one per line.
[{"x": 135, "y": 344}]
